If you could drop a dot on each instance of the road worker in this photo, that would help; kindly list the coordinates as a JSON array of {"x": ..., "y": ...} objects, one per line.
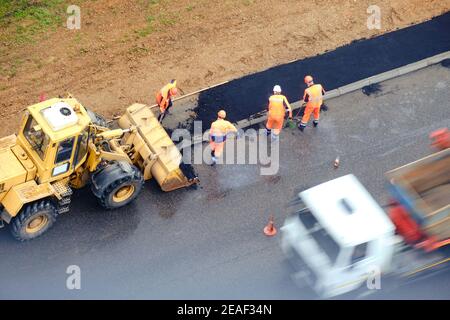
[
  {"x": 278, "y": 106},
  {"x": 164, "y": 98},
  {"x": 218, "y": 134},
  {"x": 313, "y": 97}
]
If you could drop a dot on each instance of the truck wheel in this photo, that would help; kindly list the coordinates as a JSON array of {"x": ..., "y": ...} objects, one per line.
[
  {"x": 33, "y": 220},
  {"x": 117, "y": 184}
]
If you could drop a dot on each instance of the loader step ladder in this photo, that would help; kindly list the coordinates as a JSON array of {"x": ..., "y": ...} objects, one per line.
[{"x": 63, "y": 189}]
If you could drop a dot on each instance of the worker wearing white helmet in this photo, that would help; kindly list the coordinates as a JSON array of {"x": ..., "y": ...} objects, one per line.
[
  {"x": 278, "y": 106},
  {"x": 218, "y": 134}
]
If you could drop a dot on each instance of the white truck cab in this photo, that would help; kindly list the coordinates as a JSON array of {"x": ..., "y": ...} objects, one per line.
[{"x": 338, "y": 237}]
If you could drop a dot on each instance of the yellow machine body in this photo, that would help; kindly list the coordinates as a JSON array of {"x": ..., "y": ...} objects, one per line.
[
  {"x": 59, "y": 146},
  {"x": 153, "y": 151}
]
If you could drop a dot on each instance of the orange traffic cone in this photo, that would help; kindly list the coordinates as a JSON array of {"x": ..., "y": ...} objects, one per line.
[{"x": 270, "y": 229}]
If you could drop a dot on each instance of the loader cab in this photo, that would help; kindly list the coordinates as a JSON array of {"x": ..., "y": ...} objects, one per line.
[
  {"x": 55, "y": 134},
  {"x": 337, "y": 237}
]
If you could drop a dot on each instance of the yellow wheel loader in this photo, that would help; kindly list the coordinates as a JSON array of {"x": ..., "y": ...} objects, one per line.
[{"x": 63, "y": 146}]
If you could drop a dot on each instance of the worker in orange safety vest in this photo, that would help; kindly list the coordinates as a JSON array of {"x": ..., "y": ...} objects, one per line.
[
  {"x": 278, "y": 106},
  {"x": 313, "y": 97},
  {"x": 218, "y": 135},
  {"x": 164, "y": 98}
]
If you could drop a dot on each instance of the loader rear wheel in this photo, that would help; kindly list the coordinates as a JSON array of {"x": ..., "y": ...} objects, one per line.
[
  {"x": 117, "y": 185},
  {"x": 33, "y": 220}
]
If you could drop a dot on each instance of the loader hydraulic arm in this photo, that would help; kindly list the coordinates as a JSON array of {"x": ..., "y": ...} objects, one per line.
[
  {"x": 106, "y": 147},
  {"x": 114, "y": 134}
]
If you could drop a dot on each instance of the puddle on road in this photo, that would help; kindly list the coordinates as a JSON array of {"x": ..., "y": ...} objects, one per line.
[
  {"x": 372, "y": 89},
  {"x": 166, "y": 213},
  {"x": 217, "y": 195},
  {"x": 272, "y": 179},
  {"x": 446, "y": 63}
]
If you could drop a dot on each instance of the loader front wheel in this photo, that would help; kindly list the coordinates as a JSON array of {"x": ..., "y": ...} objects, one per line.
[
  {"x": 124, "y": 193},
  {"x": 117, "y": 185},
  {"x": 33, "y": 220}
]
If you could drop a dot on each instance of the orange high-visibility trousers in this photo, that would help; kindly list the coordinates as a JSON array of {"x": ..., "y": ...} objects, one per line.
[
  {"x": 218, "y": 135},
  {"x": 275, "y": 124},
  {"x": 163, "y": 103},
  {"x": 308, "y": 110},
  {"x": 277, "y": 111}
]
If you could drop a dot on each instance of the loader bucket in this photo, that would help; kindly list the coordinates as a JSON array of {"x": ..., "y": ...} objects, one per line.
[{"x": 159, "y": 157}]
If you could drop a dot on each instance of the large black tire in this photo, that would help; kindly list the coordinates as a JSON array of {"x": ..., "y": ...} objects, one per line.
[
  {"x": 117, "y": 184},
  {"x": 33, "y": 220}
]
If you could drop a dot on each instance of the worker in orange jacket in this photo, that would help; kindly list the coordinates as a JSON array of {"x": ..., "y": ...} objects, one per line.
[
  {"x": 278, "y": 106},
  {"x": 164, "y": 98},
  {"x": 218, "y": 135},
  {"x": 313, "y": 97}
]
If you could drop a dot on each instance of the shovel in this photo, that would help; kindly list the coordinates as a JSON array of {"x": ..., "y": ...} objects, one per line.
[{"x": 292, "y": 123}]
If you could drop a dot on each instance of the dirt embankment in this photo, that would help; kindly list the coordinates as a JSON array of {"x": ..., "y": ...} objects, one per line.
[{"x": 126, "y": 49}]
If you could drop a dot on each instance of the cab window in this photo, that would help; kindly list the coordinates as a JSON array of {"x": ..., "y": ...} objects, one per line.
[
  {"x": 81, "y": 147},
  {"x": 36, "y": 137},
  {"x": 359, "y": 253},
  {"x": 329, "y": 246},
  {"x": 64, "y": 152}
]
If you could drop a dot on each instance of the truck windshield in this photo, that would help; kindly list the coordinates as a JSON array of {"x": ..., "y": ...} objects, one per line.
[
  {"x": 319, "y": 234},
  {"x": 36, "y": 137}
]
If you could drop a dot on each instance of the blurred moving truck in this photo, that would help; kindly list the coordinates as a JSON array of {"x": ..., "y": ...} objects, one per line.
[{"x": 339, "y": 239}]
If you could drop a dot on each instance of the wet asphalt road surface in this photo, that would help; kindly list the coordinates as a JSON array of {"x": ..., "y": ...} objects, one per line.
[{"x": 207, "y": 243}]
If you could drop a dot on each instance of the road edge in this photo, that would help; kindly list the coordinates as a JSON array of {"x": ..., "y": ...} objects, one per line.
[
  {"x": 391, "y": 74},
  {"x": 421, "y": 64}
]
